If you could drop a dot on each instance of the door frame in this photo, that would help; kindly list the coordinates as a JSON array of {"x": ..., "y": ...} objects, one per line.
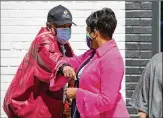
[{"x": 156, "y": 27}]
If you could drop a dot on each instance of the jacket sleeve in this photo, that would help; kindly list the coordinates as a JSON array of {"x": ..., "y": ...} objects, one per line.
[
  {"x": 90, "y": 104},
  {"x": 74, "y": 62},
  {"x": 47, "y": 55},
  {"x": 140, "y": 97}
]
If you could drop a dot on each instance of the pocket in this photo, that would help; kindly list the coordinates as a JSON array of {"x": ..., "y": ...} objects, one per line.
[{"x": 35, "y": 109}]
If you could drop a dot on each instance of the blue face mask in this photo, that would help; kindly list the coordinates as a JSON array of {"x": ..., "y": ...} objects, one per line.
[
  {"x": 63, "y": 35},
  {"x": 89, "y": 40}
]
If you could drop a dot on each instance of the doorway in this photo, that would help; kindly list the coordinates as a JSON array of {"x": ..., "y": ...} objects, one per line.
[{"x": 161, "y": 39}]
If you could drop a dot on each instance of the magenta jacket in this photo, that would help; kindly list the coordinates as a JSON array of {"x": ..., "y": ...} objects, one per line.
[
  {"x": 99, "y": 94},
  {"x": 28, "y": 95}
]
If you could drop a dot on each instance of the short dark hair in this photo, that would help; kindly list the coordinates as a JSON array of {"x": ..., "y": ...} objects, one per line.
[{"x": 104, "y": 21}]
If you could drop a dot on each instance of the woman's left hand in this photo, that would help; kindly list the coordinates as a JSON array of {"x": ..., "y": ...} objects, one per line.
[{"x": 71, "y": 92}]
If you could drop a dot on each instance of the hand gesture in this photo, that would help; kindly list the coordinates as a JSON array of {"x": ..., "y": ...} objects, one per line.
[
  {"x": 71, "y": 92},
  {"x": 69, "y": 72}
]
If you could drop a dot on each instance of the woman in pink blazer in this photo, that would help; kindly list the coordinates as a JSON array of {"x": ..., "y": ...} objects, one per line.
[{"x": 99, "y": 72}]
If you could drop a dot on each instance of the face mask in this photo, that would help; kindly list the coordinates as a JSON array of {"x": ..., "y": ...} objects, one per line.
[
  {"x": 63, "y": 35},
  {"x": 89, "y": 40}
]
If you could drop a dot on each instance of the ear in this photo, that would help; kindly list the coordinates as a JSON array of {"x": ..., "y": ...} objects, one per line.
[
  {"x": 96, "y": 33},
  {"x": 51, "y": 28},
  {"x": 48, "y": 25}
]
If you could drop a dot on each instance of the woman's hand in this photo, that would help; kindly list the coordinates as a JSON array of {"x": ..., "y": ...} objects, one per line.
[
  {"x": 142, "y": 115},
  {"x": 71, "y": 92},
  {"x": 69, "y": 72}
]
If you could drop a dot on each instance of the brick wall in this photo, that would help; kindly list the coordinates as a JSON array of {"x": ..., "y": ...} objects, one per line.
[
  {"x": 21, "y": 21},
  {"x": 138, "y": 44}
]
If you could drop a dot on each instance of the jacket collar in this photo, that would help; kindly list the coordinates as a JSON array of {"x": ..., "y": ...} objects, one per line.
[
  {"x": 44, "y": 31},
  {"x": 106, "y": 47}
]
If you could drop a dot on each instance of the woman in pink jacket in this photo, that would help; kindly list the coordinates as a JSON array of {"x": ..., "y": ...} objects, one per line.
[{"x": 99, "y": 72}]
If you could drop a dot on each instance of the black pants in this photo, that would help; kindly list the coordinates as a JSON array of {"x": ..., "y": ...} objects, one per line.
[{"x": 74, "y": 110}]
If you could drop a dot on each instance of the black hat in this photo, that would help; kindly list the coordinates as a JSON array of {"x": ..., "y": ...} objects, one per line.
[{"x": 60, "y": 15}]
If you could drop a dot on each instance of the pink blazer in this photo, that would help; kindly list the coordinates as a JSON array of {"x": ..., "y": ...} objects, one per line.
[{"x": 99, "y": 94}]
